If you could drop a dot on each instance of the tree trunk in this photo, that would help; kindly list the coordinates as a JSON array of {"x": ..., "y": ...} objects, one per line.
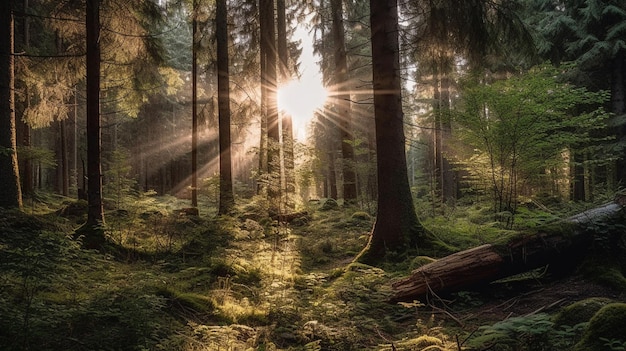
[
  {"x": 227, "y": 200},
  {"x": 10, "y": 191},
  {"x": 268, "y": 96},
  {"x": 396, "y": 228},
  {"x": 342, "y": 103},
  {"x": 194, "y": 107},
  {"x": 287, "y": 125},
  {"x": 487, "y": 263},
  {"x": 94, "y": 235}
]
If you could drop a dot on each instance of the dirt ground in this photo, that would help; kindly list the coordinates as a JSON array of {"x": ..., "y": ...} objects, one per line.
[{"x": 500, "y": 301}]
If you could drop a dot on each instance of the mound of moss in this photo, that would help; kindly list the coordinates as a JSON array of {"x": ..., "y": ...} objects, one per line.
[
  {"x": 606, "y": 328},
  {"x": 580, "y": 311}
]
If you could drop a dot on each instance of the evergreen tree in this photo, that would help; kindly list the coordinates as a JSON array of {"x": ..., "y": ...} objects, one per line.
[
  {"x": 223, "y": 80},
  {"x": 397, "y": 227},
  {"x": 10, "y": 195}
]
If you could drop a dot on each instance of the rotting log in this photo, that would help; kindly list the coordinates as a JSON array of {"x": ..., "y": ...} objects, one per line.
[{"x": 487, "y": 263}]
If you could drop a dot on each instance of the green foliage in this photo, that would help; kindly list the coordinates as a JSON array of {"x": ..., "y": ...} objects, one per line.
[
  {"x": 521, "y": 128},
  {"x": 535, "y": 332},
  {"x": 119, "y": 184},
  {"x": 42, "y": 155}
]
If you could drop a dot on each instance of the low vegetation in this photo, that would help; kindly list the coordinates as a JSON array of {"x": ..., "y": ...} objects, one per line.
[{"x": 172, "y": 280}]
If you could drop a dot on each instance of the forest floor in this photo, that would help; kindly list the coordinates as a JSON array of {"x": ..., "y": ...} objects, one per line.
[{"x": 178, "y": 282}]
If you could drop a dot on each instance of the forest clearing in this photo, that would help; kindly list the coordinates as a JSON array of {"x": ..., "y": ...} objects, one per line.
[{"x": 245, "y": 175}]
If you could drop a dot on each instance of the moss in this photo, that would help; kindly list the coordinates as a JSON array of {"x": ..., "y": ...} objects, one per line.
[
  {"x": 424, "y": 342},
  {"x": 188, "y": 302},
  {"x": 604, "y": 270},
  {"x": 608, "y": 324},
  {"x": 360, "y": 216},
  {"x": 419, "y": 261},
  {"x": 329, "y": 204},
  {"x": 580, "y": 311}
]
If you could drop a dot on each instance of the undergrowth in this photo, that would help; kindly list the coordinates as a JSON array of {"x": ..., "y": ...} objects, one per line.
[{"x": 172, "y": 280}]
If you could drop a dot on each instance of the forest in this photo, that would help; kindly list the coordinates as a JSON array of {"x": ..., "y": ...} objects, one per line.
[{"x": 313, "y": 175}]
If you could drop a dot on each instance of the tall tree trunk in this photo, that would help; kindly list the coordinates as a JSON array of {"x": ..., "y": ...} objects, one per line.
[
  {"x": 227, "y": 200},
  {"x": 63, "y": 173},
  {"x": 287, "y": 125},
  {"x": 10, "y": 191},
  {"x": 64, "y": 164},
  {"x": 342, "y": 103},
  {"x": 396, "y": 227},
  {"x": 448, "y": 177},
  {"x": 194, "y": 108},
  {"x": 94, "y": 236},
  {"x": 23, "y": 129},
  {"x": 268, "y": 71}
]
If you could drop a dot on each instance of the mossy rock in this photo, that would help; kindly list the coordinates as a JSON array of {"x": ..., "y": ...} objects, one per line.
[
  {"x": 606, "y": 326},
  {"x": 329, "y": 204},
  {"x": 360, "y": 216},
  {"x": 580, "y": 311}
]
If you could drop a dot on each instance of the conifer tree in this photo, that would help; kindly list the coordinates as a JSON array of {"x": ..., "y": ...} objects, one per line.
[{"x": 10, "y": 193}]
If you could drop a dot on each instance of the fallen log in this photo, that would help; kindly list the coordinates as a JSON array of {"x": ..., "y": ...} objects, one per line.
[{"x": 487, "y": 263}]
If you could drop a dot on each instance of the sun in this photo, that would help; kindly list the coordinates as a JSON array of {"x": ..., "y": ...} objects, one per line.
[{"x": 300, "y": 99}]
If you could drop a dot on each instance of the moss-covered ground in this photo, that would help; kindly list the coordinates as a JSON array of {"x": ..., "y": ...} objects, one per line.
[{"x": 168, "y": 280}]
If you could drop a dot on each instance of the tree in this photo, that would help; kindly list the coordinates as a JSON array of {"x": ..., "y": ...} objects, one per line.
[
  {"x": 194, "y": 105},
  {"x": 600, "y": 46},
  {"x": 287, "y": 125},
  {"x": 267, "y": 26},
  {"x": 10, "y": 193},
  {"x": 92, "y": 229},
  {"x": 397, "y": 227},
  {"x": 520, "y": 128},
  {"x": 342, "y": 103},
  {"x": 591, "y": 33},
  {"x": 476, "y": 30},
  {"x": 226, "y": 183}
]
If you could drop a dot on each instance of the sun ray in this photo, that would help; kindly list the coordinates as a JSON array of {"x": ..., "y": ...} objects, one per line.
[{"x": 301, "y": 99}]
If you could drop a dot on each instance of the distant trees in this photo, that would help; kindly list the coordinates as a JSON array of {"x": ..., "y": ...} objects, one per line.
[
  {"x": 342, "y": 101},
  {"x": 522, "y": 131},
  {"x": 590, "y": 33},
  {"x": 10, "y": 192}
]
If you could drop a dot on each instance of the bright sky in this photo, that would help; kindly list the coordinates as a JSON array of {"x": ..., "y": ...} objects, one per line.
[{"x": 301, "y": 98}]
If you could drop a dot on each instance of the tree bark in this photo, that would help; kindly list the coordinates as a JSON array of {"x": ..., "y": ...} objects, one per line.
[
  {"x": 487, "y": 263},
  {"x": 227, "y": 200},
  {"x": 287, "y": 124},
  {"x": 194, "y": 106},
  {"x": 10, "y": 191},
  {"x": 268, "y": 92},
  {"x": 396, "y": 228},
  {"x": 94, "y": 235},
  {"x": 342, "y": 103}
]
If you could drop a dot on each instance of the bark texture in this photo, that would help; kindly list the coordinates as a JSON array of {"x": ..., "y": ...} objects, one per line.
[
  {"x": 10, "y": 192},
  {"x": 227, "y": 200},
  {"x": 397, "y": 227},
  {"x": 487, "y": 263}
]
